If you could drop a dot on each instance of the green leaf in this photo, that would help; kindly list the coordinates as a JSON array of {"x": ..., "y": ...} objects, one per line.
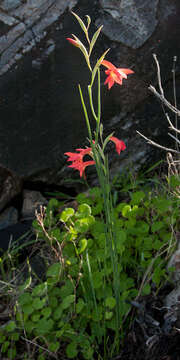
[
  {"x": 80, "y": 305},
  {"x": 156, "y": 226},
  {"x": 66, "y": 214},
  {"x": 52, "y": 204},
  {"x": 41, "y": 357},
  {"x": 40, "y": 289},
  {"x": 15, "y": 336},
  {"x": 29, "y": 326},
  {"x": 97, "y": 66},
  {"x": 44, "y": 326},
  {"x": 11, "y": 326},
  {"x": 66, "y": 289},
  {"x": 126, "y": 210},
  {"x": 12, "y": 353},
  {"x": 53, "y": 302},
  {"x": 68, "y": 301},
  {"x": 88, "y": 21},
  {"x": 35, "y": 317},
  {"x": 39, "y": 303},
  {"x": 46, "y": 312},
  {"x": 97, "y": 279},
  {"x": 82, "y": 246},
  {"x": 84, "y": 210},
  {"x": 107, "y": 140},
  {"x": 27, "y": 309},
  {"x": 121, "y": 237},
  {"x": 55, "y": 234},
  {"x": 57, "y": 313},
  {"x": 26, "y": 284},
  {"x": 94, "y": 39},
  {"x": 83, "y": 50},
  {"x": 174, "y": 181},
  {"x": 71, "y": 350},
  {"x": 108, "y": 315},
  {"x": 146, "y": 290},
  {"x": 81, "y": 225},
  {"x": 110, "y": 302},
  {"x": 54, "y": 270},
  {"x": 5, "y": 346},
  {"x": 54, "y": 346},
  {"x": 81, "y": 23},
  {"x": 25, "y": 298},
  {"x": 137, "y": 197}
]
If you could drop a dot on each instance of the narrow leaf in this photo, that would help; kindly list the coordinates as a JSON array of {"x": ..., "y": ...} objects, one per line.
[
  {"x": 94, "y": 38},
  {"x": 81, "y": 23},
  {"x": 83, "y": 49},
  {"x": 101, "y": 152},
  {"x": 88, "y": 21},
  {"x": 97, "y": 65},
  {"x": 107, "y": 140}
]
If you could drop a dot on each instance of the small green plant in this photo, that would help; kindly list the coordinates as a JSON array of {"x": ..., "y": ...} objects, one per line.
[{"x": 74, "y": 310}]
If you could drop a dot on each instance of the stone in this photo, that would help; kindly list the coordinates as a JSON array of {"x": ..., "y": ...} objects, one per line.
[
  {"x": 39, "y": 101},
  {"x": 32, "y": 20},
  {"x": 8, "y": 5},
  {"x": 10, "y": 186},
  {"x": 8, "y": 217},
  {"x": 15, "y": 235},
  {"x": 128, "y": 21},
  {"x": 32, "y": 200}
]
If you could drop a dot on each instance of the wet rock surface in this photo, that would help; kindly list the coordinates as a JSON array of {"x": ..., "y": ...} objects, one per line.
[
  {"x": 41, "y": 115},
  {"x": 130, "y": 22},
  {"x": 25, "y": 23},
  {"x": 10, "y": 186}
]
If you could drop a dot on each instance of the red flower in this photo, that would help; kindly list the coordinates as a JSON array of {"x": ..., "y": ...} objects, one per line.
[
  {"x": 73, "y": 42},
  {"x": 120, "y": 145},
  {"x": 81, "y": 166},
  {"x": 115, "y": 74},
  {"x": 79, "y": 157},
  {"x": 77, "y": 160}
]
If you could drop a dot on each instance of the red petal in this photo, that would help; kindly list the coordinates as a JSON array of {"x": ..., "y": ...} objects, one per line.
[
  {"x": 108, "y": 64},
  {"x": 126, "y": 71},
  {"x": 109, "y": 81},
  {"x": 120, "y": 145}
]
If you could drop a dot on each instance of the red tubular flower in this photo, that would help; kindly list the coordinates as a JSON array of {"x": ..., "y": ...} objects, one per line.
[
  {"x": 77, "y": 160},
  {"x": 120, "y": 145},
  {"x": 115, "y": 74},
  {"x": 73, "y": 156},
  {"x": 79, "y": 157},
  {"x": 73, "y": 42},
  {"x": 81, "y": 166},
  {"x": 87, "y": 151}
]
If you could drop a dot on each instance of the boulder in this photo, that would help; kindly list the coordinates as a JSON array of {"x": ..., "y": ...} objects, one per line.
[{"x": 41, "y": 116}]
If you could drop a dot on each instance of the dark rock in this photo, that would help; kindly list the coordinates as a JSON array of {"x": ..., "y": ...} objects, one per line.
[
  {"x": 19, "y": 233},
  {"x": 8, "y": 217},
  {"x": 10, "y": 186},
  {"x": 39, "y": 95},
  {"x": 32, "y": 200},
  {"x": 130, "y": 22}
]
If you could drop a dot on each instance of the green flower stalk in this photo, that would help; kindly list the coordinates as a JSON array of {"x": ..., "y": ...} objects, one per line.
[{"x": 97, "y": 151}]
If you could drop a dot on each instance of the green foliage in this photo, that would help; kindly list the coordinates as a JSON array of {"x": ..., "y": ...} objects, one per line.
[{"x": 75, "y": 307}]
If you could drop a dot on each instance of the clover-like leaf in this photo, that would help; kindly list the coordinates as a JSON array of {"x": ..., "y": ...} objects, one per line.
[
  {"x": 82, "y": 246},
  {"x": 54, "y": 270},
  {"x": 66, "y": 214},
  {"x": 110, "y": 302}
]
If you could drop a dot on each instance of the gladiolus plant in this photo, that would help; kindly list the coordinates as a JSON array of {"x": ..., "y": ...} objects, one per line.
[{"x": 96, "y": 151}]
